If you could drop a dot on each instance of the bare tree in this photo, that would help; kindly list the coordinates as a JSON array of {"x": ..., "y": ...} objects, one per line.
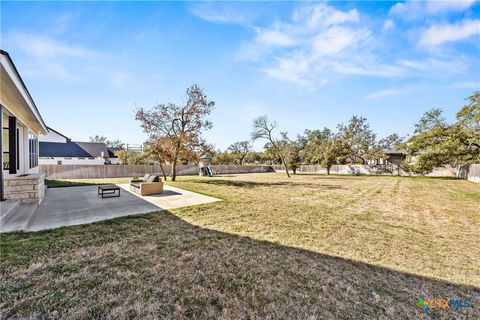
[
  {"x": 110, "y": 143},
  {"x": 240, "y": 150},
  {"x": 263, "y": 129},
  {"x": 184, "y": 125}
]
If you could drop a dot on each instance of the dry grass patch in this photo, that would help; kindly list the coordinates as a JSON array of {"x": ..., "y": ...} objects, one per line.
[{"x": 310, "y": 247}]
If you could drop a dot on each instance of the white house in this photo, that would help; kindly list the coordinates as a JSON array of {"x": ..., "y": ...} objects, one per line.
[
  {"x": 56, "y": 148},
  {"x": 53, "y": 136},
  {"x": 21, "y": 125}
]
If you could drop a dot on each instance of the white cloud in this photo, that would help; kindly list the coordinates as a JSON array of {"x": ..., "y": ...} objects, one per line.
[
  {"x": 47, "y": 56},
  {"x": 41, "y": 47},
  {"x": 444, "y": 6},
  {"x": 317, "y": 42},
  {"x": 388, "y": 24},
  {"x": 415, "y": 9},
  {"x": 274, "y": 38},
  {"x": 226, "y": 13},
  {"x": 366, "y": 68},
  {"x": 292, "y": 70},
  {"x": 337, "y": 39},
  {"x": 439, "y": 34},
  {"x": 383, "y": 94},
  {"x": 410, "y": 9},
  {"x": 324, "y": 15},
  {"x": 434, "y": 65}
]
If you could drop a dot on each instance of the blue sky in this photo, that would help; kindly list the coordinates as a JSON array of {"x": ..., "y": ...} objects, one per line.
[{"x": 89, "y": 65}]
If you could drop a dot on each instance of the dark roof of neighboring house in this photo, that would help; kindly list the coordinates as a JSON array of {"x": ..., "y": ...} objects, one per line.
[
  {"x": 396, "y": 151},
  {"x": 67, "y": 138},
  {"x": 94, "y": 148},
  {"x": 73, "y": 149},
  {"x": 111, "y": 152}
]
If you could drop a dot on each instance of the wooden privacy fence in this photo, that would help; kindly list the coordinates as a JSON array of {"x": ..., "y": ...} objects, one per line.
[
  {"x": 232, "y": 169},
  {"x": 474, "y": 173},
  {"x": 76, "y": 171},
  {"x": 73, "y": 171}
]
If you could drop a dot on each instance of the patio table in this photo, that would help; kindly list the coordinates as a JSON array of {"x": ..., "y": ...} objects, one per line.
[{"x": 110, "y": 190}]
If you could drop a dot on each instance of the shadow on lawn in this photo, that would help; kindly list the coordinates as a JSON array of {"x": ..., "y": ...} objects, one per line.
[
  {"x": 360, "y": 176},
  {"x": 253, "y": 184},
  {"x": 160, "y": 266}
]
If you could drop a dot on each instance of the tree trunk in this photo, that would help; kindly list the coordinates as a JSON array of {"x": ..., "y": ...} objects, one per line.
[
  {"x": 285, "y": 165},
  {"x": 174, "y": 170},
  {"x": 328, "y": 170},
  {"x": 174, "y": 163},
  {"x": 163, "y": 172}
]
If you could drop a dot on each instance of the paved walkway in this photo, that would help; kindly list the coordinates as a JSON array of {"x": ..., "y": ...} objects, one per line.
[{"x": 81, "y": 205}]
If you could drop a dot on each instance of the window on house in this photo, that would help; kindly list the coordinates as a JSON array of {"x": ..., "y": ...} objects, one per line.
[
  {"x": 32, "y": 150},
  {"x": 18, "y": 149},
  {"x": 59, "y": 162},
  {"x": 6, "y": 148}
]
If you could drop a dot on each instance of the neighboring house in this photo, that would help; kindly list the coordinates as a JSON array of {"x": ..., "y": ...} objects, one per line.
[
  {"x": 21, "y": 125},
  {"x": 56, "y": 148},
  {"x": 112, "y": 157},
  {"x": 53, "y": 136},
  {"x": 391, "y": 157},
  {"x": 396, "y": 156}
]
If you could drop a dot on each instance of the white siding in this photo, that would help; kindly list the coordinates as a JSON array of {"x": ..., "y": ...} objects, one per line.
[
  {"x": 52, "y": 136},
  {"x": 85, "y": 161}
]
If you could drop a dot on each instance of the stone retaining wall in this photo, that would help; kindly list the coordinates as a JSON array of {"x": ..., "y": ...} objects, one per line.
[{"x": 29, "y": 189}]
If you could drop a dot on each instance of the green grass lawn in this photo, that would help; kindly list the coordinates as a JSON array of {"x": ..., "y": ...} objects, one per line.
[
  {"x": 313, "y": 247},
  {"x": 84, "y": 182}
]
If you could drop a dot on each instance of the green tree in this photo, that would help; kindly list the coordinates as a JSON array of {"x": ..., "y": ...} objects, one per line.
[
  {"x": 293, "y": 152},
  {"x": 431, "y": 119},
  {"x": 314, "y": 142},
  {"x": 130, "y": 157},
  {"x": 324, "y": 147},
  {"x": 391, "y": 142},
  {"x": 333, "y": 151},
  {"x": 358, "y": 137},
  {"x": 439, "y": 144},
  {"x": 240, "y": 150},
  {"x": 223, "y": 158}
]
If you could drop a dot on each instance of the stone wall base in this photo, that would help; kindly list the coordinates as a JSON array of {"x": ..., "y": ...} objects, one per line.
[{"x": 28, "y": 189}]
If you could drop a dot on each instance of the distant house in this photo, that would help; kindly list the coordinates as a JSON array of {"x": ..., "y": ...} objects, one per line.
[
  {"x": 395, "y": 156},
  {"x": 54, "y": 136},
  {"x": 56, "y": 148}
]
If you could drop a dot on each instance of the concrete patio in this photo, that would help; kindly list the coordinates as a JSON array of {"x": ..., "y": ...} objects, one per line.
[{"x": 81, "y": 205}]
